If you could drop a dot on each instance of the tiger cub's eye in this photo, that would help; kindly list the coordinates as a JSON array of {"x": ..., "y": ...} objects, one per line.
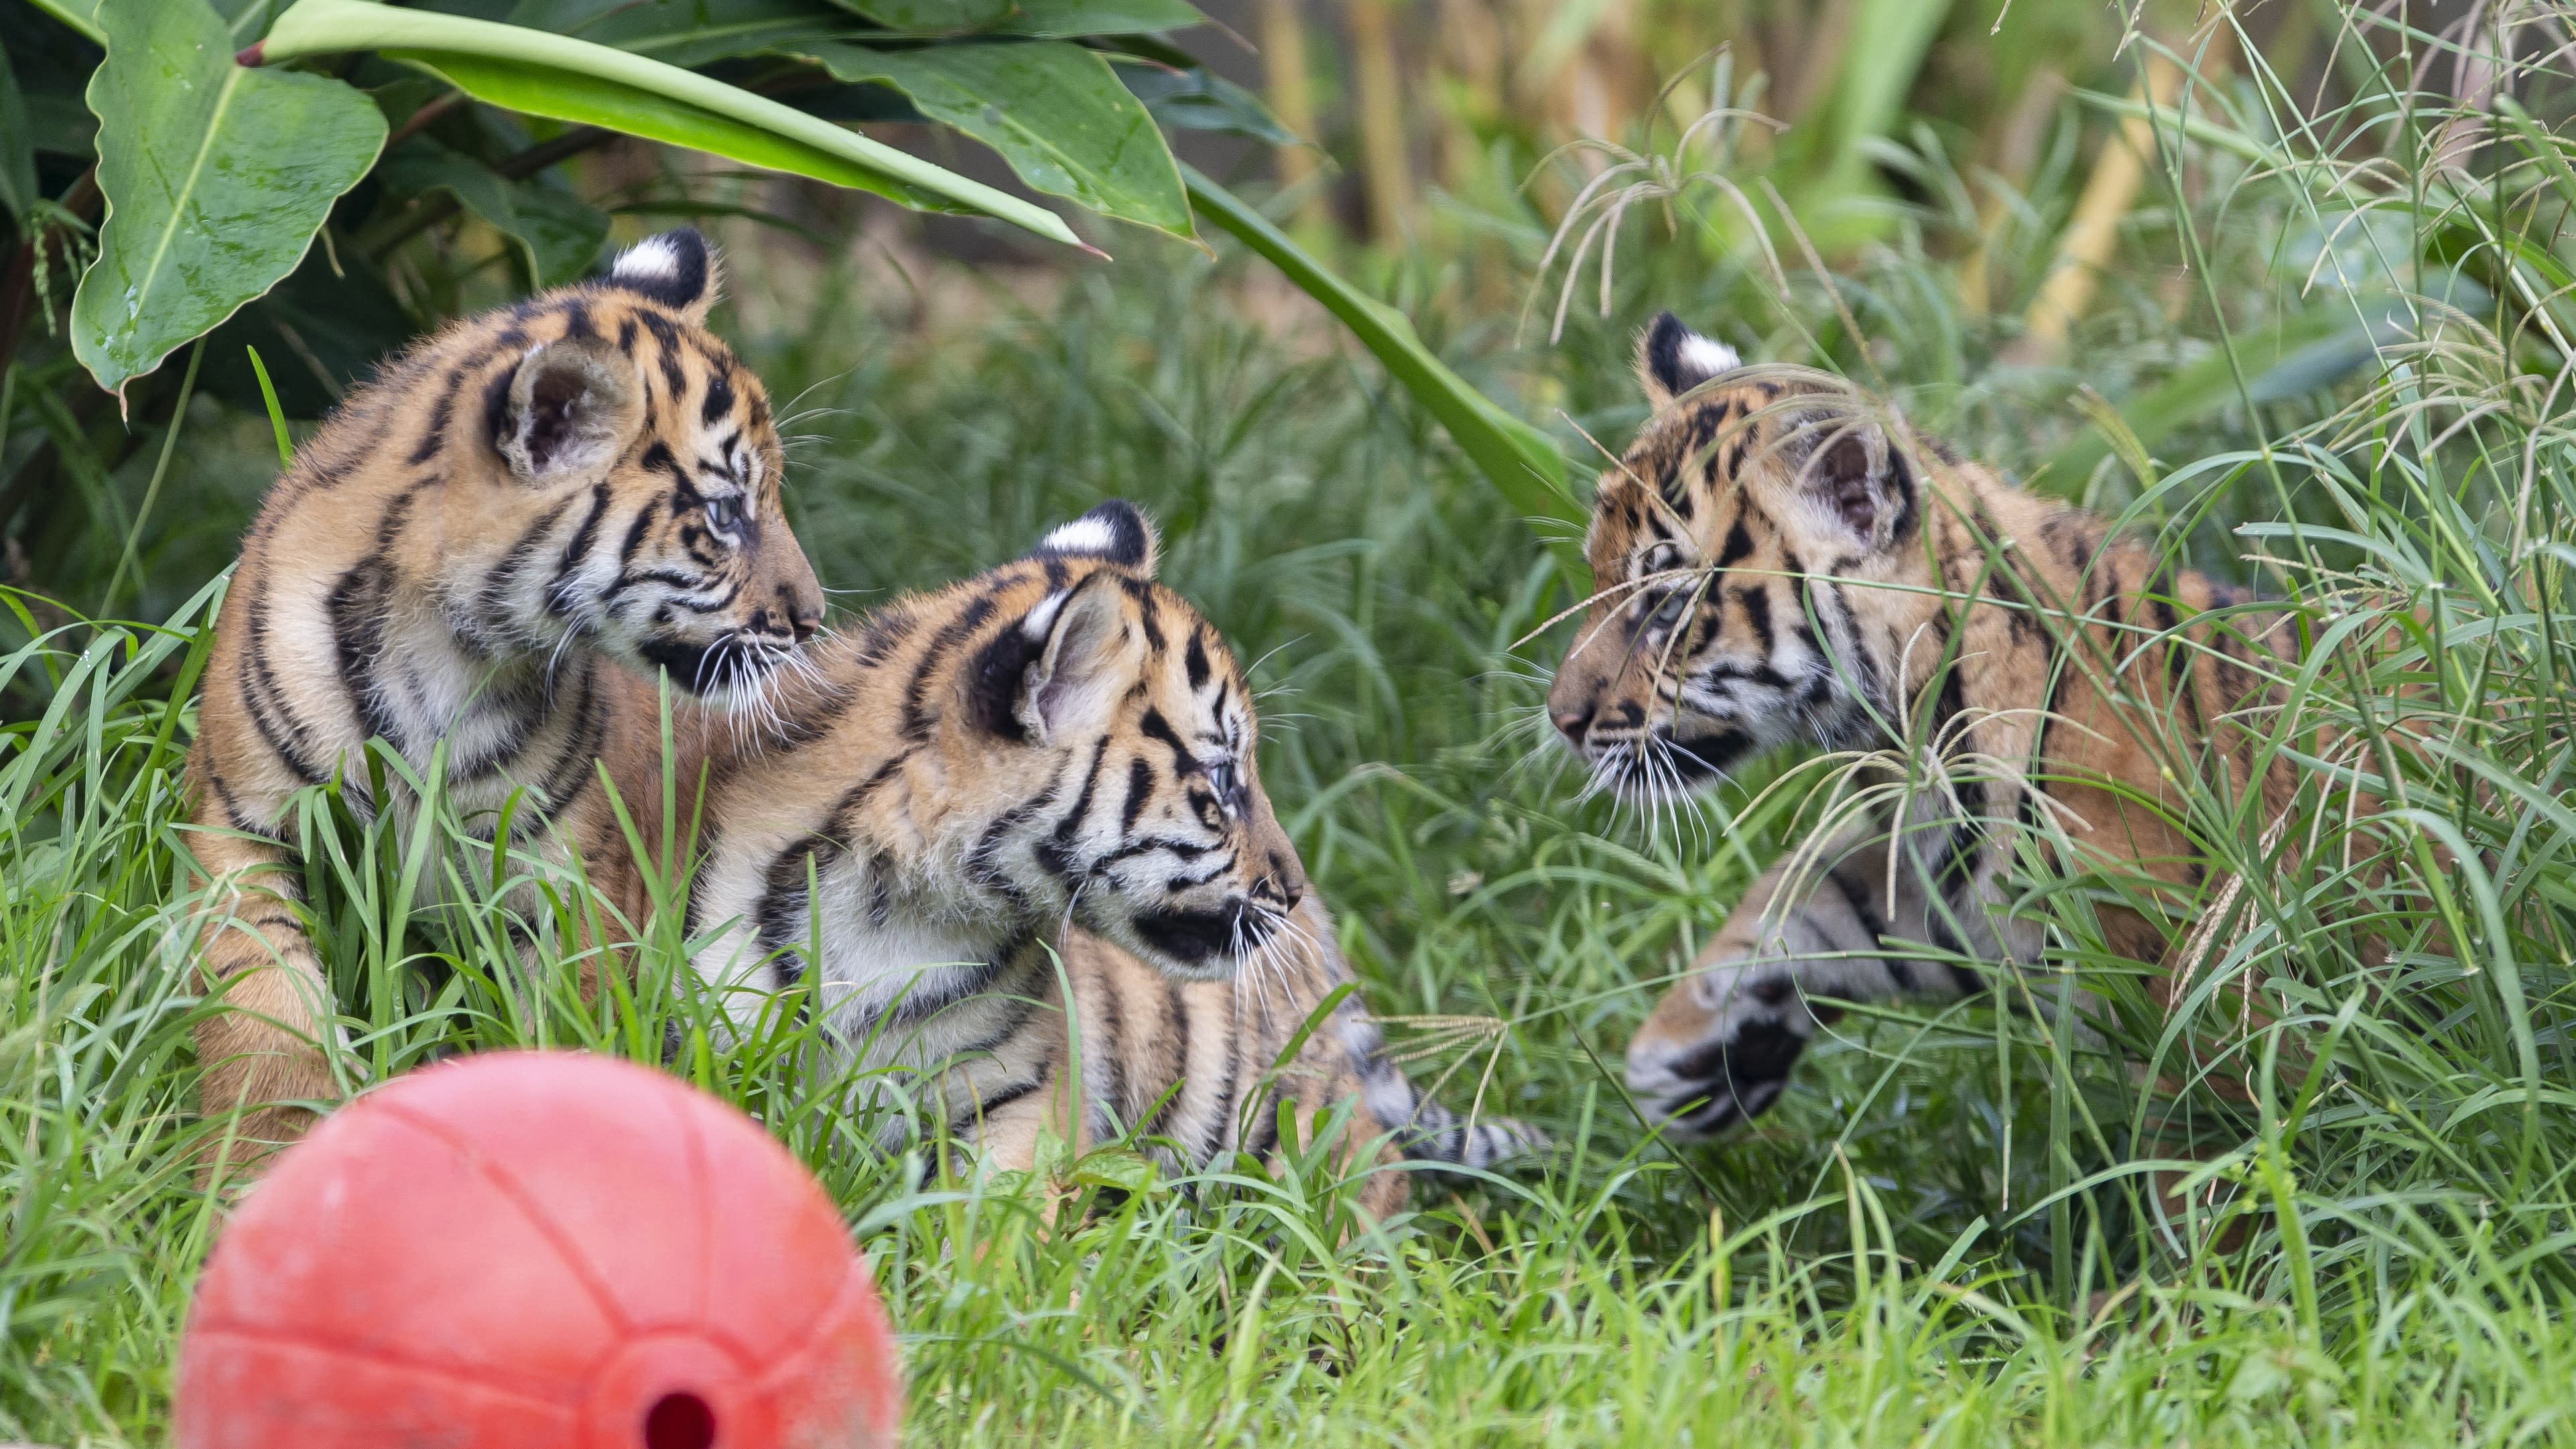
[{"x": 724, "y": 513}]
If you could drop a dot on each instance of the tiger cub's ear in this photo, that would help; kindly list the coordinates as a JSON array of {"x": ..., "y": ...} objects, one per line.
[
  {"x": 1672, "y": 359},
  {"x": 571, "y": 407},
  {"x": 1116, "y": 531},
  {"x": 1060, "y": 671},
  {"x": 676, "y": 269},
  {"x": 1843, "y": 467}
]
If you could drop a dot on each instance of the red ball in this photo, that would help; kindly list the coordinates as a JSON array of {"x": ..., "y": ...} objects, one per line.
[{"x": 537, "y": 1249}]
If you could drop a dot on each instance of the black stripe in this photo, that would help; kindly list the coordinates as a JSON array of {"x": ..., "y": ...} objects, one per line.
[
  {"x": 996, "y": 1102},
  {"x": 635, "y": 532},
  {"x": 1148, "y": 609},
  {"x": 1155, "y": 727},
  {"x": 1858, "y": 899},
  {"x": 961, "y": 984},
  {"x": 356, "y": 608},
  {"x": 1176, "y": 1043},
  {"x": 1739, "y": 543},
  {"x": 844, "y": 810},
  {"x": 397, "y": 515},
  {"x": 572, "y": 773},
  {"x": 1055, "y": 854},
  {"x": 270, "y": 711},
  {"x": 434, "y": 437},
  {"x": 576, "y": 548},
  {"x": 917, "y": 719},
  {"x": 667, "y": 335},
  {"x": 497, "y": 580},
  {"x": 1907, "y": 492},
  {"x": 496, "y": 407},
  {"x": 1265, "y": 1127},
  {"x": 884, "y": 633},
  {"x": 1756, "y": 601},
  {"x": 1140, "y": 788},
  {"x": 781, "y": 918},
  {"x": 979, "y": 861}
]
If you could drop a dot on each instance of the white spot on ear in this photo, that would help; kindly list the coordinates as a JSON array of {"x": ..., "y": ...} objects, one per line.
[
  {"x": 1082, "y": 536},
  {"x": 650, "y": 260},
  {"x": 1042, "y": 618},
  {"x": 1707, "y": 355}
]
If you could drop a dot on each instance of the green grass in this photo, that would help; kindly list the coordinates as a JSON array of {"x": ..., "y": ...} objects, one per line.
[{"x": 1932, "y": 1241}]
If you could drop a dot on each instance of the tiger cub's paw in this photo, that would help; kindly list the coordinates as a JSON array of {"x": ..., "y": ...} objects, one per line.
[{"x": 1719, "y": 1049}]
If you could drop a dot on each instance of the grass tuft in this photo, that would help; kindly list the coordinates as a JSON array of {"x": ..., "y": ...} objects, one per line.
[{"x": 2331, "y": 362}]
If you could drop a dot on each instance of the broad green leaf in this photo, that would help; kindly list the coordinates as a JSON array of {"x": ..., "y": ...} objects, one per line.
[
  {"x": 216, "y": 178},
  {"x": 1198, "y": 99},
  {"x": 930, "y": 17},
  {"x": 555, "y": 233},
  {"x": 17, "y": 146},
  {"x": 1515, "y": 457},
  {"x": 575, "y": 80},
  {"x": 1065, "y": 19},
  {"x": 687, "y": 32},
  {"x": 541, "y": 91},
  {"x": 1052, "y": 109}
]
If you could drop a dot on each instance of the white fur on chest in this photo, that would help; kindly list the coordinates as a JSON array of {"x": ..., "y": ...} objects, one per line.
[{"x": 891, "y": 979}]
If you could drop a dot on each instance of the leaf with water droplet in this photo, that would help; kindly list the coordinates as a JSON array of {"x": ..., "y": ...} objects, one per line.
[{"x": 216, "y": 178}]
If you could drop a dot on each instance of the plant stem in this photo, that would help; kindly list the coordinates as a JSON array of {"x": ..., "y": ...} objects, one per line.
[
  {"x": 1291, "y": 85},
  {"x": 152, "y": 490},
  {"x": 1384, "y": 153}
]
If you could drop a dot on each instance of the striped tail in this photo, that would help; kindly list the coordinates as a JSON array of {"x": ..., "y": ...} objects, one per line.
[
  {"x": 1426, "y": 1130},
  {"x": 1440, "y": 1135}
]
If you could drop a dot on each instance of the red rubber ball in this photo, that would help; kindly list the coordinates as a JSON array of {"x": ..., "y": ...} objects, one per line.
[{"x": 536, "y": 1249}]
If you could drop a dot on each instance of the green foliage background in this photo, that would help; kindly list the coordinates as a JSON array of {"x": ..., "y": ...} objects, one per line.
[{"x": 2326, "y": 361}]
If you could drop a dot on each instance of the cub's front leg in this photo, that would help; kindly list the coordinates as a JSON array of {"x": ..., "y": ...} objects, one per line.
[
  {"x": 263, "y": 1053},
  {"x": 1719, "y": 1046}
]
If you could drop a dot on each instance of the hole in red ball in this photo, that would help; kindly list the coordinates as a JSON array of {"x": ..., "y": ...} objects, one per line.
[{"x": 680, "y": 1421}]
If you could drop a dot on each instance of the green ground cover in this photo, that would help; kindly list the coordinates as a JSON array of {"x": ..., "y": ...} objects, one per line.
[{"x": 1933, "y": 1240}]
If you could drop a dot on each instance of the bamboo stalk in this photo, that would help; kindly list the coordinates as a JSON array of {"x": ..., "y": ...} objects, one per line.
[
  {"x": 1471, "y": 52},
  {"x": 1291, "y": 83},
  {"x": 2015, "y": 148},
  {"x": 1385, "y": 160},
  {"x": 2093, "y": 232}
]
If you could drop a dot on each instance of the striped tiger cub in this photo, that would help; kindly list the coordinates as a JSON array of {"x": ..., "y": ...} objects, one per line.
[
  {"x": 490, "y": 549},
  {"x": 1775, "y": 560},
  {"x": 1055, "y": 757}
]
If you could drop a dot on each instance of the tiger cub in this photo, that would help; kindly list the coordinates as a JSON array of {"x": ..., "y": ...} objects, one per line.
[
  {"x": 1775, "y": 560},
  {"x": 1054, "y": 757},
  {"x": 491, "y": 548}
]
